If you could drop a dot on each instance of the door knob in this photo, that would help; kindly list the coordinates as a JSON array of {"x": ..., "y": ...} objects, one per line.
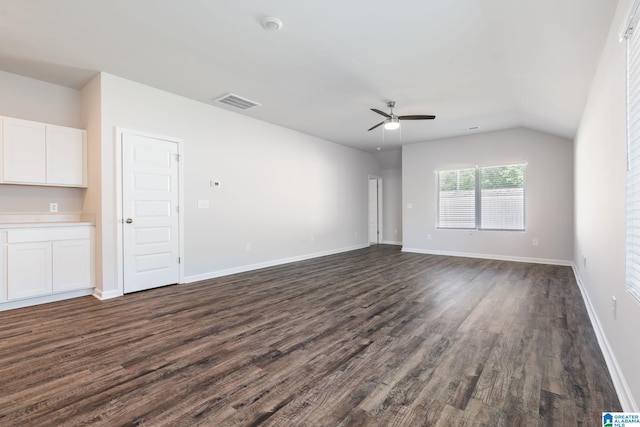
[{"x": 128, "y": 220}]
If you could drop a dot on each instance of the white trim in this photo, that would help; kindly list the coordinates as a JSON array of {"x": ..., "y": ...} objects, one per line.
[
  {"x": 619, "y": 382},
  {"x": 119, "y": 240},
  {"x": 630, "y": 18},
  {"x": 97, "y": 293},
  {"x": 491, "y": 256},
  {"x": 391, "y": 242},
  {"x": 45, "y": 299},
  {"x": 118, "y": 214},
  {"x": 273, "y": 263}
]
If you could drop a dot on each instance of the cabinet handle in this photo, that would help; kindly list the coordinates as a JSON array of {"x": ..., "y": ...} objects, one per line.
[{"x": 128, "y": 220}]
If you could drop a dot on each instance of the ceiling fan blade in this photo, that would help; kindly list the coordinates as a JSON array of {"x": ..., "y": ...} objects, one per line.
[
  {"x": 381, "y": 112},
  {"x": 416, "y": 117},
  {"x": 377, "y": 125}
]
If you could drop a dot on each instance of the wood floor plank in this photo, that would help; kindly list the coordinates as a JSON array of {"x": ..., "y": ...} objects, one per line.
[{"x": 373, "y": 337}]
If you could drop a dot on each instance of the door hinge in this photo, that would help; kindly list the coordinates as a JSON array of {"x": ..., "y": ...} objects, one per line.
[
  {"x": 179, "y": 260},
  {"x": 177, "y": 209},
  {"x": 177, "y": 157}
]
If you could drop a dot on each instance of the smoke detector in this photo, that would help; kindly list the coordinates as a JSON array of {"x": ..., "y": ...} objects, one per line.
[{"x": 271, "y": 24}]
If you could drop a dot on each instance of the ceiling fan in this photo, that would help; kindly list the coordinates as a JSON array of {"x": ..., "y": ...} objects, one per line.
[{"x": 392, "y": 121}]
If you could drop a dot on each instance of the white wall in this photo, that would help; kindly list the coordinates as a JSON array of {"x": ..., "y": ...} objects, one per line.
[
  {"x": 549, "y": 195},
  {"x": 30, "y": 99},
  {"x": 391, "y": 163},
  {"x": 91, "y": 107},
  {"x": 288, "y": 194},
  {"x": 600, "y": 167},
  {"x": 392, "y": 206}
]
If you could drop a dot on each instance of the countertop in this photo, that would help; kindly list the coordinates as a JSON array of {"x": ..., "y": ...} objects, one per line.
[{"x": 25, "y": 220}]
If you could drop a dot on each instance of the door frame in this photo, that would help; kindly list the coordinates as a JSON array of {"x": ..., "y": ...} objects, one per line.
[
  {"x": 378, "y": 179},
  {"x": 119, "y": 132}
]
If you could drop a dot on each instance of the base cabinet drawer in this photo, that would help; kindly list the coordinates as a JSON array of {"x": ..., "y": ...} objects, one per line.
[{"x": 29, "y": 270}]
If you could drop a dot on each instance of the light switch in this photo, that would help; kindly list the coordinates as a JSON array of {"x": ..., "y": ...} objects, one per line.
[{"x": 203, "y": 204}]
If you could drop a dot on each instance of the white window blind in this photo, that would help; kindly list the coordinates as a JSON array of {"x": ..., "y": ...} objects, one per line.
[
  {"x": 633, "y": 157},
  {"x": 457, "y": 198},
  {"x": 488, "y": 198},
  {"x": 502, "y": 197}
]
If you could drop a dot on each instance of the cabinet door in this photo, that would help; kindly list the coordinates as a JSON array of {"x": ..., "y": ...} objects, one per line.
[
  {"x": 3, "y": 266},
  {"x": 71, "y": 265},
  {"x": 28, "y": 270},
  {"x": 23, "y": 151},
  {"x": 66, "y": 156}
]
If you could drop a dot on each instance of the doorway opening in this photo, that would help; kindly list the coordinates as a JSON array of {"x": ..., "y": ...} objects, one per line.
[{"x": 375, "y": 210}]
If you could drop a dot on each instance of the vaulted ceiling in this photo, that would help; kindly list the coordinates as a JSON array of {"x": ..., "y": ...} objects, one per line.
[{"x": 478, "y": 65}]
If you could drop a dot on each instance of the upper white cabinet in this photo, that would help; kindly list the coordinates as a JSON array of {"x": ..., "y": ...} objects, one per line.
[
  {"x": 43, "y": 154},
  {"x": 24, "y": 151},
  {"x": 66, "y": 156}
]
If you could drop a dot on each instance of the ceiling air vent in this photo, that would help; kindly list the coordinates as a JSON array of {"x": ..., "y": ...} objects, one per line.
[{"x": 238, "y": 102}]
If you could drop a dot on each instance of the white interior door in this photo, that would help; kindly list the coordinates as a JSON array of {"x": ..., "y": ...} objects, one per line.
[
  {"x": 374, "y": 232},
  {"x": 150, "y": 194}
]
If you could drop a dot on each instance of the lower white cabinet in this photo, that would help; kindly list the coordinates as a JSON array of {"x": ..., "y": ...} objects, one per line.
[
  {"x": 71, "y": 265},
  {"x": 47, "y": 260},
  {"x": 28, "y": 270}
]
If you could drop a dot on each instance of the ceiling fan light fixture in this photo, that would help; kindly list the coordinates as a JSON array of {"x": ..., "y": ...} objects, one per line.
[{"x": 392, "y": 124}]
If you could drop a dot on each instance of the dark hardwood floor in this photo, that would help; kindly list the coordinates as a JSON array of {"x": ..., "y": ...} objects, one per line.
[{"x": 372, "y": 337}]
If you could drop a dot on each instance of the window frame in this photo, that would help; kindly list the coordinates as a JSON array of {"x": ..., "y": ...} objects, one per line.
[
  {"x": 475, "y": 215},
  {"x": 631, "y": 37},
  {"x": 479, "y": 199}
]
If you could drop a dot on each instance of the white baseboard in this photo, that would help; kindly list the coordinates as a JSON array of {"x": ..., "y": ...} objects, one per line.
[
  {"x": 619, "y": 382},
  {"x": 101, "y": 295},
  {"x": 273, "y": 263},
  {"x": 491, "y": 256},
  {"x": 44, "y": 299},
  {"x": 391, "y": 242}
]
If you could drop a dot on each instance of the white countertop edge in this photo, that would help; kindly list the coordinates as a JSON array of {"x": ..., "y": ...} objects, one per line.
[{"x": 41, "y": 224}]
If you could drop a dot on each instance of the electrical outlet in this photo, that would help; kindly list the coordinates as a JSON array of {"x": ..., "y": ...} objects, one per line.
[
  {"x": 248, "y": 247},
  {"x": 428, "y": 236},
  {"x": 614, "y": 307},
  {"x": 584, "y": 261},
  {"x": 535, "y": 242},
  {"x": 53, "y": 207}
]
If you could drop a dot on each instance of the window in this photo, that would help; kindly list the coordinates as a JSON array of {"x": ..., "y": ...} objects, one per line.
[
  {"x": 633, "y": 156},
  {"x": 457, "y": 198},
  {"x": 487, "y": 198}
]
